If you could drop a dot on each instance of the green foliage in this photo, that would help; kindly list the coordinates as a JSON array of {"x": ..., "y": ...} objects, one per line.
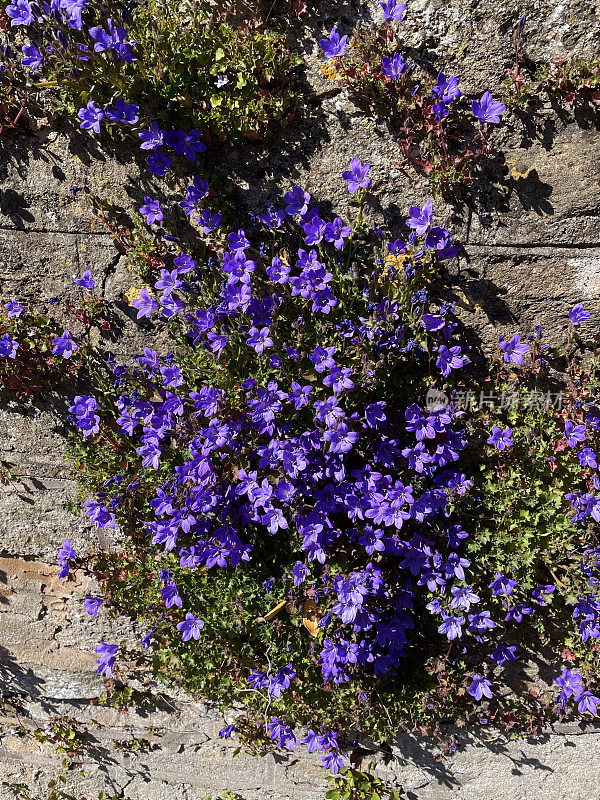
[
  {"x": 448, "y": 150},
  {"x": 354, "y": 784},
  {"x": 194, "y": 67},
  {"x": 180, "y": 40},
  {"x": 572, "y": 82},
  {"x": 35, "y": 370}
]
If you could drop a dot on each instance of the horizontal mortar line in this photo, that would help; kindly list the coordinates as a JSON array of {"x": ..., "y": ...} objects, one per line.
[
  {"x": 533, "y": 246},
  {"x": 39, "y": 478},
  {"x": 58, "y": 230}
]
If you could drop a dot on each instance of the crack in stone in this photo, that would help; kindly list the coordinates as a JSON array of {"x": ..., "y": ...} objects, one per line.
[{"x": 110, "y": 270}]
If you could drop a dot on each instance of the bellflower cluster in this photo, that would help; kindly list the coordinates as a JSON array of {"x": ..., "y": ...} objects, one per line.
[
  {"x": 106, "y": 658},
  {"x": 315, "y": 466},
  {"x": 274, "y": 684}
]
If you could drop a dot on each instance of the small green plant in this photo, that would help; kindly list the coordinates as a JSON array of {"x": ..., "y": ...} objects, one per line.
[
  {"x": 572, "y": 82},
  {"x": 180, "y": 63},
  {"x": 29, "y": 362},
  {"x": 355, "y": 784}
]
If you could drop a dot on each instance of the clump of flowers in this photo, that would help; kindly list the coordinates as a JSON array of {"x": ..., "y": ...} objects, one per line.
[
  {"x": 296, "y": 508},
  {"x": 439, "y": 133},
  {"x": 163, "y": 60},
  {"x": 328, "y": 517}
]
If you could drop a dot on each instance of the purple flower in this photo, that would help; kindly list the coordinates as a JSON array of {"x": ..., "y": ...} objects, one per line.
[
  {"x": 172, "y": 376},
  {"x": 479, "y": 687},
  {"x": 170, "y": 595},
  {"x": 152, "y": 210},
  {"x": 259, "y": 339},
  {"x": 463, "y": 597},
  {"x": 587, "y": 702},
  {"x": 420, "y": 219},
  {"x": 588, "y": 458},
  {"x": 74, "y": 8},
  {"x": 543, "y": 589},
  {"x": 300, "y": 573},
  {"x": 151, "y": 138},
  {"x": 574, "y": 433},
  {"x": 447, "y": 88},
  {"x": 501, "y": 439},
  {"x": 66, "y": 552},
  {"x": 106, "y": 658},
  {"x": 375, "y": 414},
  {"x": 8, "y": 346},
  {"x": 91, "y": 116},
  {"x": 64, "y": 345},
  {"x": 578, "y": 314},
  {"x": 86, "y": 281},
  {"x": 481, "y": 622},
  {"x": 488, "y": 109},
  {"x": 122, "y": 112},
  {"x": 282, "y": 733},
  {"x": 517, "y": 612},
  {"x": 20, "y": 13},
  {"x": 440, "y": 110},
  {"x": 393, "y": 66},
  {"x": 32, "y": 57},
  {"x": 144, "y": 304},
  {"x": 158, "y": 163},
  {"x": 392, "y": 9},
  {"x": 278, "y": 272},
  {"x": 452, "y": 627},
  {"x": 190, "y": 627},
  {"x": 502, "y": 585},
  {"x": 322, "y": 358},
  {"x": 503, "y": 653},
  {"x": 356, "y": 176},
  {"x": 83, "y": 409},
  {"x": 208, "y": 221},
  {"x": 273, "y": 218},
  {"x": 334, "y": 46},
  {"x": 341, "y": 440},
  {"x": 570, "y": 683},
  {"x": 514, "y": 350},
  {"x": 99, "y": 515},
  {"x": 314, "y": 230},
  {"x": 449, "y": 358},
  {"x": 114, "y": 39},
  {"x": 92, "y": 605},
  {"x": 186, "y": 144},
  {"x": 13, "y": 307},
  {"x": 333, "y": 761},
  {"x": 297, "y": 201}
]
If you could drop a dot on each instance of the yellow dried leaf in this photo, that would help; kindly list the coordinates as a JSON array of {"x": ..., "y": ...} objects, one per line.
[
  {"x": 310, "y": 620},
  {"x": 274, "y": 611}
]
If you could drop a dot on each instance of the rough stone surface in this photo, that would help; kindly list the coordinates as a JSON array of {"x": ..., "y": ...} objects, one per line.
[{"x": 531, "y": 248}]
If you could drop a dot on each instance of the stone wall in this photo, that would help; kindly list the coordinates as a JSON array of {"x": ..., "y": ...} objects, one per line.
[{"x": 531, "y": 248}]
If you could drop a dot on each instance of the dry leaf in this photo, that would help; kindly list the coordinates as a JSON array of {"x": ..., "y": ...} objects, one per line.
[
  {"x": 310, "y": 618},
  {"x": 274, "y": 611}
]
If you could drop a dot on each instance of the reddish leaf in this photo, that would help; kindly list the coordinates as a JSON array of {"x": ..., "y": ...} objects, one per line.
[{"x": 299, "y": 7}]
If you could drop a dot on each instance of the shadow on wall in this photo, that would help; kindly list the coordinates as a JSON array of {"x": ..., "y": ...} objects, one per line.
[{"x": 17, "y": 680}]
